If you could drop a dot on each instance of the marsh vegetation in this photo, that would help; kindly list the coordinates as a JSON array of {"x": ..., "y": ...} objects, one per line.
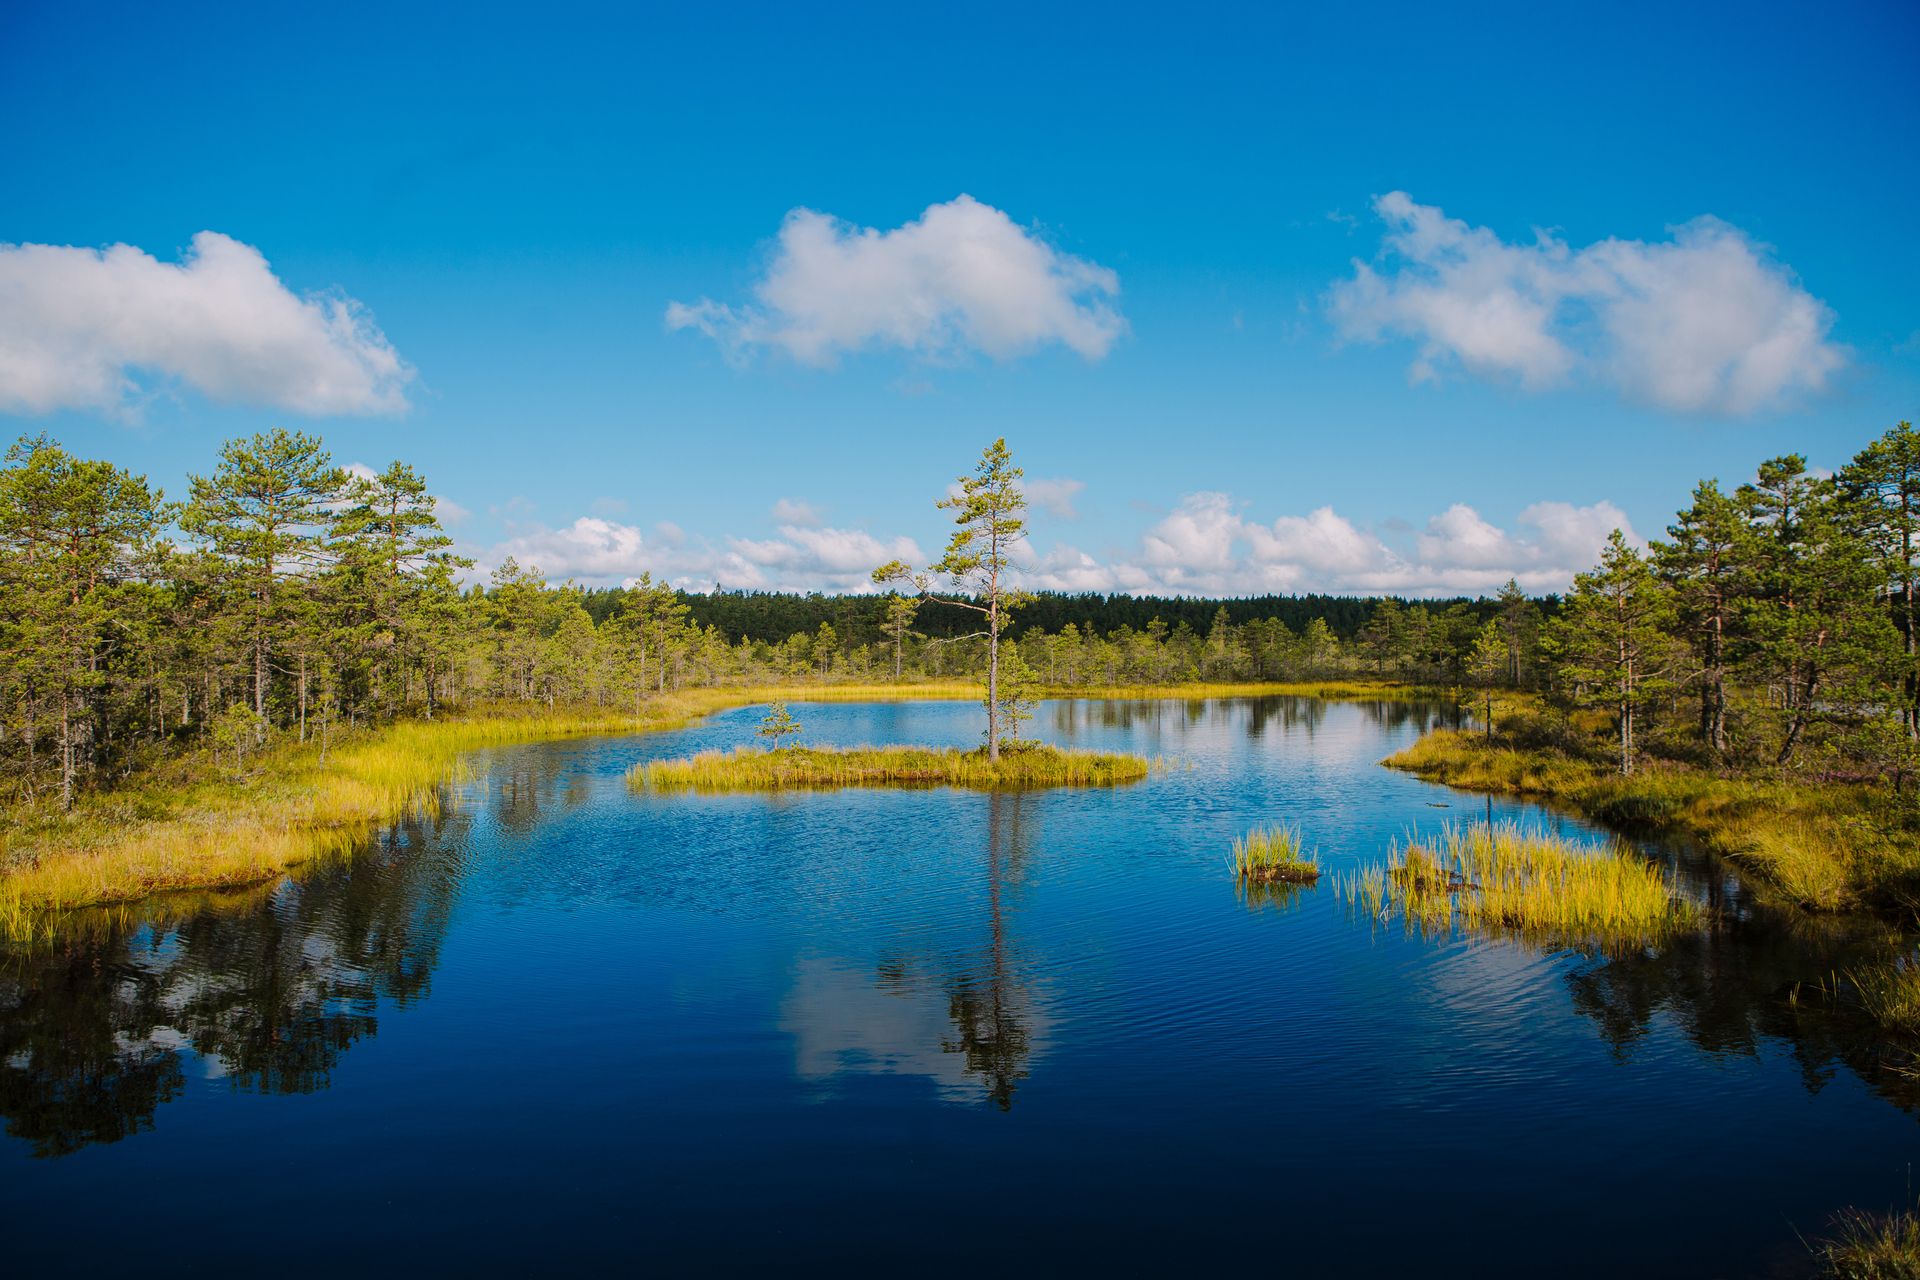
[
  {"x": 1500, "y": 878},
  {"x": 1019, "y": 766},
  {"x": 1274, "y": 855}
]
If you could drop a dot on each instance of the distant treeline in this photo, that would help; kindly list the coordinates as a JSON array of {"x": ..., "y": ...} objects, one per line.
[{"x": 774, "y": 615}]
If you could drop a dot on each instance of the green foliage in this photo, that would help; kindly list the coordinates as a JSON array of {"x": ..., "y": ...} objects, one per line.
[{"x": 778, "y": 724}]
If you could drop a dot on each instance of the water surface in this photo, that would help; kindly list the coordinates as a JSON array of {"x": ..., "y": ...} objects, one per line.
[{"x": 564, "y": 1024}]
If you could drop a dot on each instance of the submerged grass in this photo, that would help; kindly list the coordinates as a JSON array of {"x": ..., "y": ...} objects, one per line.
[
  {"x": 1823, "y": 846},
  {"x": 1501, "y": 879},
  {"x": 1274, "y": 855},
  {"x": 748, "y": 769}
]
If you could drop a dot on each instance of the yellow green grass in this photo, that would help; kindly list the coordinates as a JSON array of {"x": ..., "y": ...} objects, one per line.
[
  {"x": 1502, "y": 879},
  {"x": 749, "y": 769},
  {"x": 1274, "y": 855},
  {"x": 1870, "y": 1246},
  {"x": 1824, "y": 846},
  {"x": 1890, "y": 994}
]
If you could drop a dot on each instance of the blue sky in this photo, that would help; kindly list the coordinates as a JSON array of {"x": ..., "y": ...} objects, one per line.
[{"x": 1153, "y": 294}]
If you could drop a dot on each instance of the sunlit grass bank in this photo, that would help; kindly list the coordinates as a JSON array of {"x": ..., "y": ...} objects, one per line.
[
  {"x": 289, "y": 807},
  {"x": 750, "y": 769},
  {"x": 1274, "y": 855},
  {"x": 1502, "y": 879},
  {"x": 1824, "y": 846}
]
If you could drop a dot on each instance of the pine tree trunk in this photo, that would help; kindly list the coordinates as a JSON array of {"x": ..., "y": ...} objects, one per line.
[{"x": 993, "y": 677}]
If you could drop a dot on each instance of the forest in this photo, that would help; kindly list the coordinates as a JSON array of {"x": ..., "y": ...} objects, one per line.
[{"x": 1772, "y": 628}]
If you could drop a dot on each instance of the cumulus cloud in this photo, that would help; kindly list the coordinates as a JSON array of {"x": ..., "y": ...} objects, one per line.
[
  {"x": 101, "y": 328},
  {"x": 1208, "y": 544},
  {"x": 1705, "y": 322},
  {"x": 962, "y": 277},
  {"x": 794, "y": 511},
  {"x": 605, "y": 552},
  {"x": 1055, "y": 496}
]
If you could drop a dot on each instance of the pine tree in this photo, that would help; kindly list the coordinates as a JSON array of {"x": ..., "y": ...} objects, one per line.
[
  {"x": 1709, "y": 564},
  {"x": 1609, "y": 638},
  {"x": 987, "y": 511},
  {"x": 266, "y": 511}
]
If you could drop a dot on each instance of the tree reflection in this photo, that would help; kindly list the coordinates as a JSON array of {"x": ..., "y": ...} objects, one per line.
[
  {"x": 954, "y": 1006},
  {"x": 94, "y": 1031},
  {"x": 989, "y": 1006},
  {"x": 1758, "y": 979}
]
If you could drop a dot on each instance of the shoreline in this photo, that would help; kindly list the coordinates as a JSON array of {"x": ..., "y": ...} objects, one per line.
[
  {"x": 221, "y": 831},
  {"x": 1821, "y": 847}
]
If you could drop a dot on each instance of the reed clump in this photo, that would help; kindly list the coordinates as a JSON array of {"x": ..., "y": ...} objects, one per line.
[
  {"x": 1499, "y": 878},
  {"x": 1018, "y": 768},
  {"x": 1824, "y": 846},
  {"x": 1890, "y": 994},
  {"x": 1274, "y": 855},
  {"x": 1871, "y": 1246}
]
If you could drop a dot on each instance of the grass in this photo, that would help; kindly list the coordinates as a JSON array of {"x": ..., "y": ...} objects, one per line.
[
  {"x": 749, "y": 769},
  {"x": 1273, "y": 855},
  {"x": 1890, "y": 994},
  {"x": 1822, "y": 846},
  {"x": 1868, "y": 1246},
  {"x": 1501, "y": 879}
]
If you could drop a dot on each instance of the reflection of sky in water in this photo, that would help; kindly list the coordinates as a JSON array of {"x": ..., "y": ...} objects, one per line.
[{"x": 564, "y": 1017}]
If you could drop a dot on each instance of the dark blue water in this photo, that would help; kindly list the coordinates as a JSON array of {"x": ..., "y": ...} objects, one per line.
[{"x": 566, "y": 1025}]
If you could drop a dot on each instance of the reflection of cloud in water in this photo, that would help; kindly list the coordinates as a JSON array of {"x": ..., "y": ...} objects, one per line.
[{"x": 972, "y": 1039}]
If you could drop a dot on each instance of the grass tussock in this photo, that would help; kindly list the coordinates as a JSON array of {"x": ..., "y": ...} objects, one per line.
[
  {"x": 1274, "y": 855},
  {"x": 1501, "y": 879},
  {"x": 1890, "y": 994},
  {"x": 1870, "y": 1246},
  {"x": 1823, "y": 846},
  {"x": 1019, "y": 768}
]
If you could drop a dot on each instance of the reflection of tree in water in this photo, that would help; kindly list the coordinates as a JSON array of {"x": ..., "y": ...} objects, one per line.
[
  {"x": 1289, "y": 714},
  {"x": 989, "y": 1007},
  {"x": 1732, "y": 989},
  {"x": 523, "y": 786},
  {"x": 92, "y": 1030}
]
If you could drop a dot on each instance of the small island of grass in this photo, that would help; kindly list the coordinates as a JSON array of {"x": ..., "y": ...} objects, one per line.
[
  {"x": 1019, "y": 767},
  {"x": 1273, "y": 855},
  {"x": 1498, "y": 878}
]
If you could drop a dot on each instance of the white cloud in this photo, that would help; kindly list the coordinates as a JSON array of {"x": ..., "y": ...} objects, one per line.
[
  {"x": 1707, "y": 321},
  {"x": 1056, "y": 496},
  {"x": 81, "y": 328},
  {"x": 606, "y": 552},
  {"x": 962, "y": 277},
  {"x": 794, "y": 511},
  {"x": 1205, "y": 546}
]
